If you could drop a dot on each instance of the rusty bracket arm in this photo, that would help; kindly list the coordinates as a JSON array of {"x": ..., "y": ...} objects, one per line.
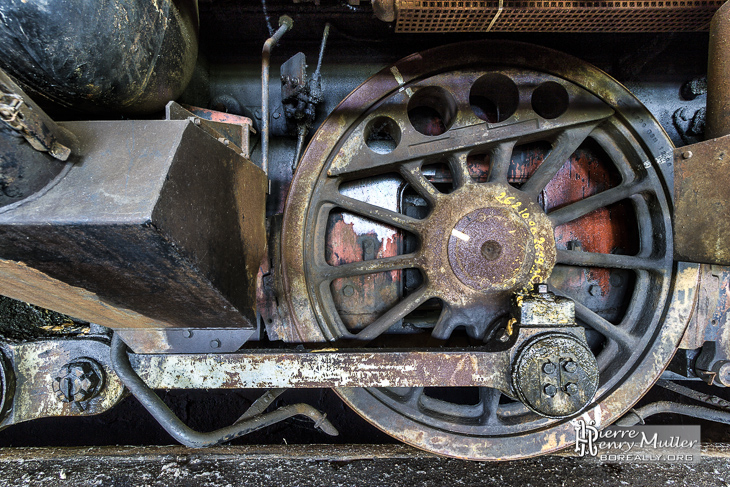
[
  {"x": 21, "y": 114},
  {"x": 702, "y": 202}
]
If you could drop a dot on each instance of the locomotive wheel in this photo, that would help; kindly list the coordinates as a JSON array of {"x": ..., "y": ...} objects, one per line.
[{"x": 488, "y": 99}]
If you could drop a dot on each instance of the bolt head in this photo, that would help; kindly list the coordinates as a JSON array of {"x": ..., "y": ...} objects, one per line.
[
  {"x": 78, "y": 381},
  {"x": 215, "y": 343},
  {"x": 550, "y": 390},
  {"x": 570, "y": 366},
  {"x": 549, "y": 368},
  {"x": 687, "y": 154},
  {"x": 571, "y": 388}
]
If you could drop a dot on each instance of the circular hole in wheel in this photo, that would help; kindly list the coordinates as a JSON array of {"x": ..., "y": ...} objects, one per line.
[
  {"x": 550, "y": 100},
  {"x": 431, "y": 110},
  {"x": 382, "y": 135},
  {"x": 494, "y": 97}
]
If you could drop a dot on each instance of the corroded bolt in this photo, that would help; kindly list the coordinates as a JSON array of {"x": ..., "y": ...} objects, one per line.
[
  {"x": 550, "y": 390},
  {"x": 570, "y": 366},
  {"x": 78, "y": 381},
  {"x": 348, "y": 290},
  {"x": 548, "y": 368},
  {"x": 571, "y": 388}
]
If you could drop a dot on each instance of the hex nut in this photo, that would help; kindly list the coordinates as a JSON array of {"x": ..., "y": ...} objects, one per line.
[
  {"x": 549, "y": 368},
  {"x": 79, "y": 381}
]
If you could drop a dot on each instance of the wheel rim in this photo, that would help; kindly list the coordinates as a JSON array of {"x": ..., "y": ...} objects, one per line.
[{"x": 634, "y": 348}]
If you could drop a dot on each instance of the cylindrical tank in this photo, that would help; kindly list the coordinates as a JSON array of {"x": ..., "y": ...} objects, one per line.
[{"x": 125, "y": 56}]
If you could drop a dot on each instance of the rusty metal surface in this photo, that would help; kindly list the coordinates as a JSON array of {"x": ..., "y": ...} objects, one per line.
[
  {"x": 685, "y": 296},
  {"x": 359, "y": 300},
  {"x": 20, "y": 113},
  {"x": 597, "y": 107},
  {"x": 143, "y": 226},
  {"x": 546, "y": 16},
  {"x": 231, "y": 130},
  {"x": 709, "y": 308},
  {"x": 32, "y": 146},
  {"x": 37, "y": 364},
  {"x": 718, "y": 75},
  {"x": 268, "y": 369},
  {"x": 556, "y": 375},
  {"x": 389, "y": 369},
  {"x": 702, "y": 180}
]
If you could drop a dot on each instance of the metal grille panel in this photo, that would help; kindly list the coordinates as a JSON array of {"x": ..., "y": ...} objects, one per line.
[{"x": 554, "y": 16}]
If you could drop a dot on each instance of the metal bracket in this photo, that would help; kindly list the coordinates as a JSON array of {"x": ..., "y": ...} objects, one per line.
[
  {"x": 702, "y": 202},
  {"x": 19, "y": 113},
  {"x": 185, "y": 340},
  {"x": 35, "y": 366}
]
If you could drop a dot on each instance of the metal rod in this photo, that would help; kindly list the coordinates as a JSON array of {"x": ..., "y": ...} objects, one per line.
[
  {"x": 260, "y": 404},
  {"x": 301, "y": 134},
  {"x": 709, "y": 399},
  {"x": 661, "y": 407},
  {"x": 718, "y": 75},
  {"x": 184, "y": 434},
  {"x": 285, "y": 23},
  {"x": 325, "y": 34}
]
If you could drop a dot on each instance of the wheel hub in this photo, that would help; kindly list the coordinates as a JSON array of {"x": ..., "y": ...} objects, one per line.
[{"x": 505, "y": 244}]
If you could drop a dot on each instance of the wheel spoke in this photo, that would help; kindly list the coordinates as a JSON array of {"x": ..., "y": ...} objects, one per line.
[
  {"x": 581, "y": 208},
  {"x": 489, "y": 399},
  {"x": 385, "y": 264},
  {"x": 500, "y": 159},
  {"x": 395, "y": 314},
  {"x": 460, "y": 169},
  {"x": 611, "y": 261},
  {"x": 603, "y": 326},
  {"x": 374, "y": 212},
  {"x": 414, "y": 176},
  {"x": 565, "y": 144}
]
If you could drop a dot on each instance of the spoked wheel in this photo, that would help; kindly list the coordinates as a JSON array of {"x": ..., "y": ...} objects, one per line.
[{"x": 458, "y": 177}]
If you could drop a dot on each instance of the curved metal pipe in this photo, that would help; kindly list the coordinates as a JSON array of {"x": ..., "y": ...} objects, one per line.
[
  {"x": 660, "y": 407},
  {"x": 718, "y": 75},
  {"x": 285, "y": 23},
  {"x": 184, "y": 434}
]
